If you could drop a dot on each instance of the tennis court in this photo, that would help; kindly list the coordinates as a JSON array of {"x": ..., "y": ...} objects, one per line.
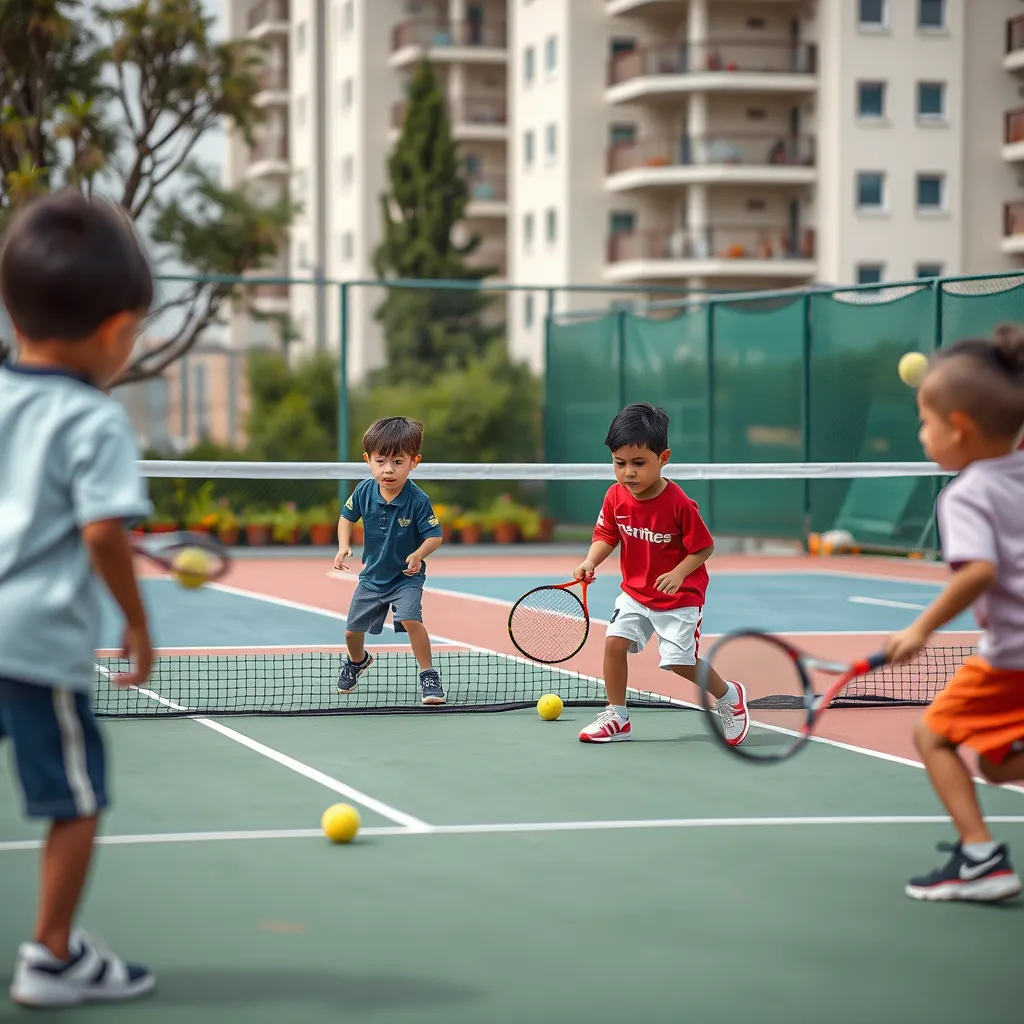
[{"x": 505, "y": 871}]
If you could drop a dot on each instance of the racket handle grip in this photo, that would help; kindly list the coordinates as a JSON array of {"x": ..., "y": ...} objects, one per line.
[{"x": 877, "y": 660}]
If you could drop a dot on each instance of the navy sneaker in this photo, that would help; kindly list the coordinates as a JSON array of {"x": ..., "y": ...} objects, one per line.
[
  {"x": 431, "y": 690},
  {"x": 962, "y": 878},
  {"x": 351, "y": 671}
]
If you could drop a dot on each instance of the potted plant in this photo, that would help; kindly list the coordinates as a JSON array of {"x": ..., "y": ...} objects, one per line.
[
  {"x": 257, "y": 528},
  {"x": 469, "y": 527},
  {"x": 321, "y": 526},
  {"x": 227, "y": 526},
  {"x": 503, "y": 519},
  {"x": 446, "y": 516},
  {"x": 356, "y": 536},
  {"x": 287, "y": 524},
  {"x": 159, "y": 523}
]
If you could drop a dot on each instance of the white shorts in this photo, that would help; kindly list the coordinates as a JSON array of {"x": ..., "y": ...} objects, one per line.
[{"x": 678, "y": 630}]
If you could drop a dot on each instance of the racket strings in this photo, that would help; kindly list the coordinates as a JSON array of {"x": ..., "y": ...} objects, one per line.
[{"x": 549, "y": 625}]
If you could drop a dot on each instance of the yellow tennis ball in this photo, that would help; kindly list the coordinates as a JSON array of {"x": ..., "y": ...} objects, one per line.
[
  {"x": 912, "y": 368},
  {"x": 191, "y": 567},
  {"x": 340, "y": 823},
  {"x": 549, "y": 707}
]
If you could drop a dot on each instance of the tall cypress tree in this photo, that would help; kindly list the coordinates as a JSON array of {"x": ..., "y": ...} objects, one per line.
[{"x": 428, "y": 330}]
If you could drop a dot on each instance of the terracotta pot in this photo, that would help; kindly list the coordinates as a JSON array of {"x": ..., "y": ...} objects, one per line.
[
  {"x": 470, "y": 534},
  {"x": 547, "y": 530},
  {"x": 229, "y": 535},
  {"x": 321, "y": 534},
  {"x": 357, "y": 533},
  {"x": 506, "y": 533},
  {"x": 257, "y": 536},
  {"x": 447, "y": 533},
  {"x": 199, "y": 528},
  {"x": 163, "y": 528}
]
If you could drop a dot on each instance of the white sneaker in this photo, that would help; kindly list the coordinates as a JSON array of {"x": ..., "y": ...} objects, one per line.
[
  {"x": 735, "y": 719},
  {"x": 92, "y": 975},
  {"x": 606, "y": 728}
]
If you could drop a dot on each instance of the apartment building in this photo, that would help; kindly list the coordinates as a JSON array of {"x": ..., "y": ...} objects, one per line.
[{"x": 723, "y": 144}]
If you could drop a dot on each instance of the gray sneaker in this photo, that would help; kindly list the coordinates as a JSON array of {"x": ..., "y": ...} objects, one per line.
[{"x": 431, "y": 690}]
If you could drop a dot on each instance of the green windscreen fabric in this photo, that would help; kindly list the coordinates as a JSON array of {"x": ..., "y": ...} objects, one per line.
[
  {"x": 758, "y": 408},
  {"x": 583, "y": 394},
  {"x": 666, "y": 364},
  {"x": 860, "y": 411},
  {"x": 975, "y": 308}
]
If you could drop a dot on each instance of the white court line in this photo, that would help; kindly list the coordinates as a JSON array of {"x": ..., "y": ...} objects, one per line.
[
  {"x": 518, "y": 827},
  {"x": 882, "y": 603},
  {"x": 407, "y": 821}
]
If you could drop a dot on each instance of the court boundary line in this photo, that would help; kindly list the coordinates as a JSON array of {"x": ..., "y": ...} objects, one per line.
[
  {"x": 524, "y": 827},
  {"x": 407, "y": 821}
]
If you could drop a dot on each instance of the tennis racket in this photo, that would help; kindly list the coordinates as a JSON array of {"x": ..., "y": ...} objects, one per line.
[
  {"x": 164, "y": 550},
  {"x": 550, "y": 624},
  {"x": 790, "y": 707}
]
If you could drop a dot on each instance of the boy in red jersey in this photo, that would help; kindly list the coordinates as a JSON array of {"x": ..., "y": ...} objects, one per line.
[{"x": 664, "y": 547}]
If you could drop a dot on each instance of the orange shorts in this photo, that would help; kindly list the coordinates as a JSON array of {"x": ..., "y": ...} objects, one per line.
[{"x": 982, "y": 707}]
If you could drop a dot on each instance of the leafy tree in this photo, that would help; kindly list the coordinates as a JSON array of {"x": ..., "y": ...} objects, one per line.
[
  {"x": 428, "y": 329},
  {"x": 113, "y": 100}
]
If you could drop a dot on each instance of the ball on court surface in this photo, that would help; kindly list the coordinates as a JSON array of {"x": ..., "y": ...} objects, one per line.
[
  {"x": 191, "y": 567},
  {"x": 912, "y": 368},
  {"x": 549, "y": 707},
  {"x": 340, "y": 823}
]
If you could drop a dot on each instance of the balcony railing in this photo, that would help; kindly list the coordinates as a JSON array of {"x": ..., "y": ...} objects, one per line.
[
  {"x": 270, "y": 291},
  {"x": 721, "y": 242},
  {"x": 429, "y": 33},
  {"x": 269, "y": 10},
  {"x": 759, "y": 150},
  {"x": 269, "y": 149},
  {"x": 1013, "y": 218},
  {"x": 725, "y": 57},
  {"x": 273, "y": 78},
  {"x": 490, "y": 187},
  {"x": 1013, "y": 126},
  {"x": 482, "y": 111},
  {"x": 1015, "y": 34}
]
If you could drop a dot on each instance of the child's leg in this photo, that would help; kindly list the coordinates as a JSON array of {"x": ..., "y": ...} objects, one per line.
[
  {"x": 953, "y": 784},
  {"x": 1010, "y": 770},
  {"x": 717, "y": 686},
  {"x": 616, "y": 669},
  {"x": 354, "y": 642},
  {"x": 407, "y": 603},
  {"x": 65, "y": 867},
  {"x": 419, "y": 640}
]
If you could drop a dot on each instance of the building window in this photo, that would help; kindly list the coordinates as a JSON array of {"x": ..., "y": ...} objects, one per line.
[
  {"x": 621, "y": 222},
  {"x": 347, "y": 246},
  {"x": 300, "y": 111},
  {"x": 930, "y": 191},
  {"x": 931, "y": 14},
  {"x": 346, "y": 94},
  {"x": 871, "y": 13},
  {"x": 551, "y": 225},
  {"x": 347, "y": 171},
  {"x": 925, "y": 270},
  {"x": 528, "y": 231},
  {"x": 300, "y": 37},
  {"x": 870, "y": 100},
  {"x": 474, "y": 165},
  {"x": 551, "y": 142},
  {"x": 622, "y": 135},
  {"x": 869, "y": 273},
  {"x": 931, "y": 101},
  {"x": 528, "y": 149},
  {"x": 528, "y": 65},
  {"x": 551, "y": 54},
  {"x": 528, "y": 310},
  {"x": 347, "y": 17},
  {"x": 870, "y": 190}
]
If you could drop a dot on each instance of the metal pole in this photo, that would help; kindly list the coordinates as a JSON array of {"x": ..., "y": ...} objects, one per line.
[
  {"x": 805, "y": 412},
  {"x": 710, "y": 331},
  {"x": 343, "y": 385}
]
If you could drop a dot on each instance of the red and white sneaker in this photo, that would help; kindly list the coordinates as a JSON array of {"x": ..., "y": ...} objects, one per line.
[
  {"x": 735, "y": 720},
  {"x": 606, "y": 728}
]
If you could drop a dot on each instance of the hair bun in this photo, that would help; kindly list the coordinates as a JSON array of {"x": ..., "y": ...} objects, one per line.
[{"x": 1009, "y": 340}]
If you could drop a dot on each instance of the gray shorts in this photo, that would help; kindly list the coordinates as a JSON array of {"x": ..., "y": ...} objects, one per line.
[{"x": 369, "y": 608}]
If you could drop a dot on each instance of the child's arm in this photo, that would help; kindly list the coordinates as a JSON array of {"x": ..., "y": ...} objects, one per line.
[
  {"x": 415, "y": 561},
  {"x": 598, "y": 552},
  {"x": 344, "y": 542},
  {"x": 970, "y": 580},
  {"x": 670, "y": 582},
  {"x": 111, "y": 556}
]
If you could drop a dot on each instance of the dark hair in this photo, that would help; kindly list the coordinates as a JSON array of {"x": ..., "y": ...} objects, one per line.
[
  {"x": 394, "y": 435},
  {"x": 983, "y": 377},
  {"x": 640, "y": 424},
  {"x": 68, "y": 264}
]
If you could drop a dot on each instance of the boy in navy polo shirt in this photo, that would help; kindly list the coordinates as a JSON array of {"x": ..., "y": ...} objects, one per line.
[
  {"x": 76, "y": 285},
  {"x": 664, "y": 545},
  {"x": 399, "y": 531}
]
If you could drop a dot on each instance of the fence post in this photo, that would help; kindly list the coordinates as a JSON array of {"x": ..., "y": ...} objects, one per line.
[
  {"x": 933, "y": 551},
  {"x": 805, "y": 416},
  {"x": 549, "y": 316},
  {"x": 620, "y": 341},
  {"x": 343, "y": 385},
  {"x": 709, "y": 314}
]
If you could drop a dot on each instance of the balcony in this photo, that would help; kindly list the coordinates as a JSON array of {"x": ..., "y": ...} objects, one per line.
[
  {"x": 490, "y": 256},
  {"x": 471, "y": 42},
  {"x": 738, "y": 158},
  {"x": 720, "y": 251},
  {"x": 1014, "y": 57},
  {"x": 639, "y": 8},
  {"x": 488, "y": 195},
  {"x": 1013, "y": 228},
  {"x": 473, "y": 120},
  {"x": 267, "y": 19},
  {"x": 1013, "y": 135},
  {"x": 663, "y": 72},
  {"x": 270, "y": 299},
  {"x": 268, "y": 157},
  {"x": 273, "y": 88}
]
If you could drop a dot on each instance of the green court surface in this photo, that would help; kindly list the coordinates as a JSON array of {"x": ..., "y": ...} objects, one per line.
[{"x": 506, "y": 872}]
